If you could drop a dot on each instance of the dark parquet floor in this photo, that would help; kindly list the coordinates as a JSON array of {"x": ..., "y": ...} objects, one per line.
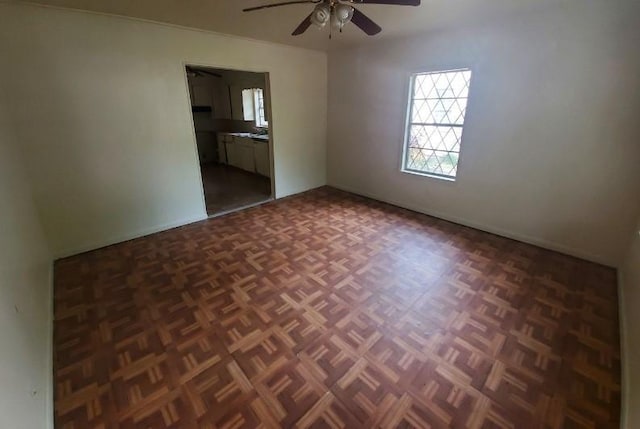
[{"x": 331, "y": 310}]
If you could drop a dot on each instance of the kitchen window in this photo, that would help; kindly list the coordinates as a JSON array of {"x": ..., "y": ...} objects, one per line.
[
  {"x": 253, "y": 106},
  {"x": 433, "y": 135}
]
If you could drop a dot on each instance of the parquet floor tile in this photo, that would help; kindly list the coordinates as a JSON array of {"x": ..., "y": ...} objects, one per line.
[{"x": 328, "y": 310}]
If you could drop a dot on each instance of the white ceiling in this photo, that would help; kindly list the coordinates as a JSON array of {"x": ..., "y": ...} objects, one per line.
[{"x": 276, "y": 25}]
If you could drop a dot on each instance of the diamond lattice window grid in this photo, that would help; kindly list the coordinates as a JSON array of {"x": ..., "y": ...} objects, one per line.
[{"x": 437, "y": 107}]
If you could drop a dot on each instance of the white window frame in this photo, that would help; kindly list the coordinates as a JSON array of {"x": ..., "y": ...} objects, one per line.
[
  {"x": 261, "y": 113},
  {"x": 253, "y": 108},
  {"x": 408, "y": 123}
]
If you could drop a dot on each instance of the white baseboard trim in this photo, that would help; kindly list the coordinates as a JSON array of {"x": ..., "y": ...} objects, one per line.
[
  {"x": 483, "y": 227},
  {"x": 624, "y": 355},
  {"x": 126, "y": 237}
]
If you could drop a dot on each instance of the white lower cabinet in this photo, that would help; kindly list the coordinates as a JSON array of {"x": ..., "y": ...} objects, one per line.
[
  {"x": 233, "y": 154},
  {"x": 247, "y": 157},
  {"x": 247, "y": 154},
  {"x": 261, "y": 151}
]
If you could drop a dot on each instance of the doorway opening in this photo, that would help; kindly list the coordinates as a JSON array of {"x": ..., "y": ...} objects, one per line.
[{"x": 231, "y": 119}]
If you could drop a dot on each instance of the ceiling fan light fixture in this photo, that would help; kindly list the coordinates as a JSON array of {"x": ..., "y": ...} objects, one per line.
[
  {"x": 341, "y": 15},
  {"x": 321, "y": 15},
  {"x": 336, "y": 24},
  {"x": 343, "y": 12},
  {"x": 337, "y": 12}
]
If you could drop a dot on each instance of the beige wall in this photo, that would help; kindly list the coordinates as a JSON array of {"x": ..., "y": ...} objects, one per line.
[
  {"x": 630, "y": 318},
  {"x": 102, "y": 109},
  {"x": 25, "y": 298},
  {"x": 550, "y": 152}
]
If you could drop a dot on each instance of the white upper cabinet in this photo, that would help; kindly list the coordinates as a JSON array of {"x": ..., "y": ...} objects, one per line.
[
  {"x": 211, "y": 92},
  {"x": 201, "y": 94},
  {"x": 221, "y": 100}
]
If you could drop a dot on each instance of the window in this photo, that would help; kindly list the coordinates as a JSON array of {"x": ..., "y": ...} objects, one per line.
[
  {"x": 437, "y": 105},
  {"x": 253, "y": 106},
  {"x": 260, "y": 114}
]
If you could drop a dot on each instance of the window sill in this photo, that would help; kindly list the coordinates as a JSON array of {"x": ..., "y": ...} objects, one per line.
[{"x": 432, "y": 176}]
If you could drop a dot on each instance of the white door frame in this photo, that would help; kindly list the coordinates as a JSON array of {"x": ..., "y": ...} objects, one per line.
[{"x": 267, "y": 100}]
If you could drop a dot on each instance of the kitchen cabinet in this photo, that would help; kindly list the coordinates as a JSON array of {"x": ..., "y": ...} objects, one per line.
[
  {"x": 211, "y": 92},
  {"x": 261, "y": 152},
  {"x": 245, "y": 153},
  {"x": 240, "y": 153},
  {"x": 247, "y": 158},
  {"x": 221, "y": 100},
  {"x": 234, "y": 157},
  {"x": 201, "y": 94}
]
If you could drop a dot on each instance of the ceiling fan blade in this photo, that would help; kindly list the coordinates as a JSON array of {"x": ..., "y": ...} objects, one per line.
[
  {"x": 210, "y": 73},
  {"x": 363, "y": 22},
  {"x": 304, "y": 26},
  {"x": 200, "y": 72},
  {"x": 392, "y": 2},
  {"x": 286, "y": 3}
]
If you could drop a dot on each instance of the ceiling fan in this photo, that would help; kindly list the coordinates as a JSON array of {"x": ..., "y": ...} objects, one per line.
[
  {"x": 194, "y": 72},
  {"x": 337, "y": 13}
]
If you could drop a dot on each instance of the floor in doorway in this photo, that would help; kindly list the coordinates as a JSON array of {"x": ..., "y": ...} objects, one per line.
[{"x": 228, "y": 188}]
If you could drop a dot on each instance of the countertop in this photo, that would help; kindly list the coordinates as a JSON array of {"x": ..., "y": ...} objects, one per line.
[{"x": 260, "y": 137}]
